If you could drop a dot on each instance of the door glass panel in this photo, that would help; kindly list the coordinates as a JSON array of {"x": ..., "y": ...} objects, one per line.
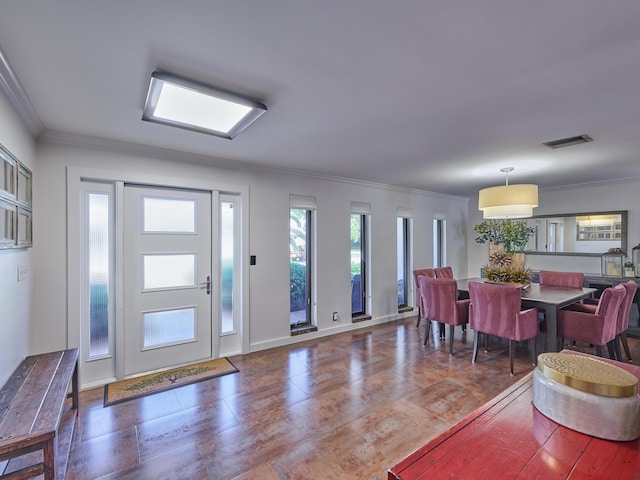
[
  {"x": 98, "y": 274},
  {"x": 227, "y": 264},
  {"x": 169, "y": 271},
  {"x": 169, "y": 215},
  {"x": 169, "y": 327}
]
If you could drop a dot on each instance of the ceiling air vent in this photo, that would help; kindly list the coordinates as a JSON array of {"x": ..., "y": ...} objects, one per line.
[{"x": 567, "y": 142}]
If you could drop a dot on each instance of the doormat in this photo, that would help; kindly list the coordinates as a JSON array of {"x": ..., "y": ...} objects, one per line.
[{"x": 124, "y": 390}]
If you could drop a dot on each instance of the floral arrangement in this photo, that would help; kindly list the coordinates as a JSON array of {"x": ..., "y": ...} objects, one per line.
[{"x": 508, "y": 239}]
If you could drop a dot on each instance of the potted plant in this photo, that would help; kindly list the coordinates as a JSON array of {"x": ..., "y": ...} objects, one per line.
[
  {"x": 513, "y": 234},
  {"x": 507, "y": 239}
]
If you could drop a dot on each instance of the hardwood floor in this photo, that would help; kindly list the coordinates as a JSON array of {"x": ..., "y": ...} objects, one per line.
[{"x": 347, "y": 406}]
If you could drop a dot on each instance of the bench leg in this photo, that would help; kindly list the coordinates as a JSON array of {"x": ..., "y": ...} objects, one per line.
[
  {"x": 74, "y": 387},
  {"x": 50, "y": 448}
]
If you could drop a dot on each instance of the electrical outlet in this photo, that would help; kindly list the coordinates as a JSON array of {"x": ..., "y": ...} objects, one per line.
[{"x": 335, "y": 316}]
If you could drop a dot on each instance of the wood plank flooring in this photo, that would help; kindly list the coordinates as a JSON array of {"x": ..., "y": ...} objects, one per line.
[{"x": 347, "y": 406}]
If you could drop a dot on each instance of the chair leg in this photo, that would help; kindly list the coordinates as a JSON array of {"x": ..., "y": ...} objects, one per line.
[
  {"x": 512, "y": 346},
  {"x": 616, "y": 349},
  {"x": 418, "y": 323},
  {"x": 451, "y": 330},
  {"x": 476, "y": 335},
  {"x": 599, "y": 351},
  {"x": 625, "y": 345},
  {"x": 612, "y": 350},
  {"x": 441, "y": 330},
  {"x": 427, "y": 332},
  {"x": 486, "y": 342}
]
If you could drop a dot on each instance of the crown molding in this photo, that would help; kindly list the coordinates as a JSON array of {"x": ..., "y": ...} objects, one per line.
[
  {"x": 128, "y": 148},
  {"x": 11, "y": 86}
]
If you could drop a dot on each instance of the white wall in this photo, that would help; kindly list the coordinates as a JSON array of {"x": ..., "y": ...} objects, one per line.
[
  {"x": 15, "y": 297},
  {"x": 269, "y": 239},
  {"x": 621, "y": 195}
]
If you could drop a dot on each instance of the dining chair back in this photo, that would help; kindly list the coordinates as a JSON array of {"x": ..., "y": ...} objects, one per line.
[
  {"x": 444, "y": 272},
  {"x": 496, "y": 310},
  {"x": 597, "y": 328},
  {"x": 561, "y": 279},
  {"x": 443, "y": 305},
  {"x": 424, "y": 272},
  {"x": 623, "y": 319}
]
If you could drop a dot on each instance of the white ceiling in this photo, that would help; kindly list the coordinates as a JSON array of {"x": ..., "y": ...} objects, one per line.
[{"x": 433, "y": 95}]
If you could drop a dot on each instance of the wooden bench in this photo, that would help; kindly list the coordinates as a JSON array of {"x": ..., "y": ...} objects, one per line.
[{"x": 32, "y": 407}]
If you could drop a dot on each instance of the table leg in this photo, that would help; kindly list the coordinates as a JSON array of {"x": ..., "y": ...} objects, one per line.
[
  {"x": 550, "y": 342},
  {"x": 551, "y": 317}
]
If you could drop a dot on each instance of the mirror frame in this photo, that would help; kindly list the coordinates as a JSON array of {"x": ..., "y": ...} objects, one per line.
[{"x": 623, "y": 233}]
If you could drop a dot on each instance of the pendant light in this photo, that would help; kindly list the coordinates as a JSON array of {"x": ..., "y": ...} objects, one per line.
[{"x": 508, "y": 201}]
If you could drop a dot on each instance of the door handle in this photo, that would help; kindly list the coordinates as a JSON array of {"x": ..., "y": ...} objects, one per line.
[{"x": 207, "y": 285}]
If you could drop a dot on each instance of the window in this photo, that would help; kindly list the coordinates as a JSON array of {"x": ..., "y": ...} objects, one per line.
[
  {"x": 358, "y": 264},
  {"x": 403, "y": 225},
  {"x": 301, "y": 220},
  {"x": 439, "y": 242},
  {"x": 98, "y": 287},
  {"x": 229, "y": 267}
]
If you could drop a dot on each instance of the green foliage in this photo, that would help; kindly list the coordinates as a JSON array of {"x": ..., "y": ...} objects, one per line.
[
  {"x": 298, "y": 282},
  {"x": 513, "y": 234},
  {"x": 356, "y": 235},
  {"x": 507, "y": 274},
  {"x": 297, "y": 228}
]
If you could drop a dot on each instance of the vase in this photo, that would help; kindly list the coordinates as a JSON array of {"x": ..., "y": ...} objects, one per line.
[{"x": 517, "y": 260}]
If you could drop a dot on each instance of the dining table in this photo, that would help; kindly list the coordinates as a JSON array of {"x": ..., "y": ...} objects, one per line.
[{"x": 549, "y": 299}]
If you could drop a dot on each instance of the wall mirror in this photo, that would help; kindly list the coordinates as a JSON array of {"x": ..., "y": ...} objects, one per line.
[{"x": 586, "y": 234}]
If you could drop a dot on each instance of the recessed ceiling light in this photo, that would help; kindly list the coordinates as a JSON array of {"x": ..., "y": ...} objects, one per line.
[
  {"x": 567, "y": 142},
  {"x": 184, "y": 104}
]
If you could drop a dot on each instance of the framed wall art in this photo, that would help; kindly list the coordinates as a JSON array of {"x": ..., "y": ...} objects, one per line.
[{"x": 16, "y": 208}]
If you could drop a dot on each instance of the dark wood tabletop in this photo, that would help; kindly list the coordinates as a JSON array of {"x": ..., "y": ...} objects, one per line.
[{"x": 546, "y": 298}]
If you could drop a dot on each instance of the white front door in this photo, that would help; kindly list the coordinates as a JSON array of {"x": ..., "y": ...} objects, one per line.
[{"x": 167, "y": 278}]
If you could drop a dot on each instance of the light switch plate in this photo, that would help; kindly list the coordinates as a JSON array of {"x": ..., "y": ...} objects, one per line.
[{"x": 23, "y": 272}]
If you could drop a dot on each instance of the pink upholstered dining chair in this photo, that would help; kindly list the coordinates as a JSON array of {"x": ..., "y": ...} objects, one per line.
[
  {"x": 561, "y": 279},
  {"x": 441, "y": 295},
  {"x": 590, "y": 305},
  {"x": 444, "y": 272},
  {"x": 597, "y": 328},
  {"x": 424, "y": 272},
  {"x": 495, "y": 310}
]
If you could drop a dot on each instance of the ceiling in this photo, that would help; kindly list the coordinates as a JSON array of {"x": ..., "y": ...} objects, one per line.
[{"x": 430, "y": 95}]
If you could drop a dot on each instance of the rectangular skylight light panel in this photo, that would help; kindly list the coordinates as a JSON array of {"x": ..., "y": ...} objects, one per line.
[{"x": 184, "y": 104}]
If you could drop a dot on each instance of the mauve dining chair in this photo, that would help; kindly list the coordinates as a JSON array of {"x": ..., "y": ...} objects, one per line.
[
  {"x": 597, "y": 328},
  {"x": 444, "y": 272},
  {"x": 590, "y": 305},
  {"x": 495, "y": 310},
  {"x": 561, "y": 279},
  {"x": 441, "y": 295},
  {"x": 424, "y": 272}
]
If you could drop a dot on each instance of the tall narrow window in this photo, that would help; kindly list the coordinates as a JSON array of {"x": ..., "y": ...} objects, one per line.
[
  {"x": 403, "y": 261},
  {"x": 301, "y": 260},
  {"x": 98, "y": 291},
  {"x": 358, "y": 264},
  {"x": 228, "y": 264},
  {"x": 439, "y": 242},
  {"x": 300, "y": 293}
]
